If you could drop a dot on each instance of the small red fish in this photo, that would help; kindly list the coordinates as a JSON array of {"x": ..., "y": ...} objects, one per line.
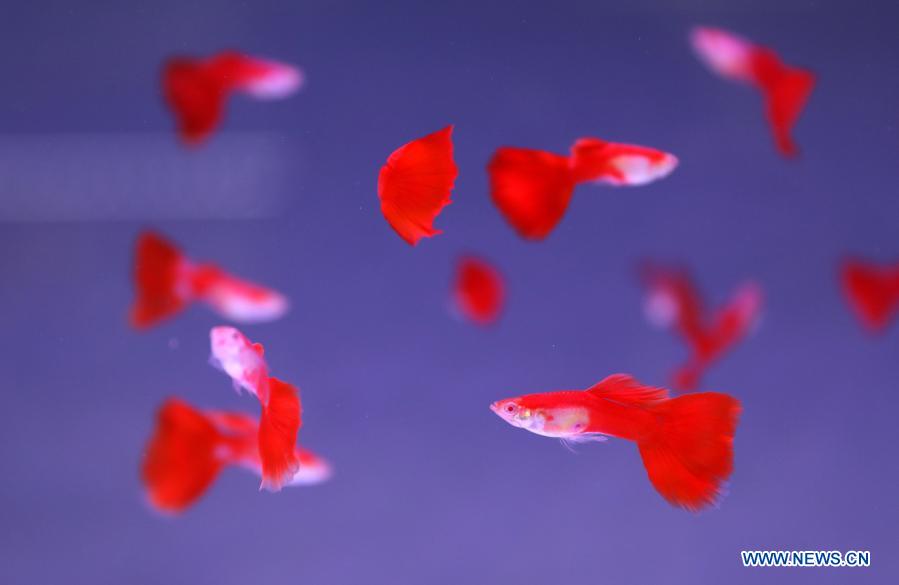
[
  {"x": 872, "y": 291},
  {"x": 686, "y": 442},
  {"x": 478, "y": 291},
  {"x": 785, "y": 89},
  {"x": 196, "y": 89},
  {"x": 672, "y": 301},
  {"x": 281, "y": 418},
  {"x": 189, "y": 448},
  {"x": 532, "y": 188},
  {"x": 166, "y": 282},
  {"x": 415, "y": 184}
]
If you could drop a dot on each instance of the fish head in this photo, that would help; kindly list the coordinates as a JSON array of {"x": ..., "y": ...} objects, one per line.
[
  {"x": 226, "y": 344},
  {"x": 233, "y": 353},
  {"x": 514, "y": 412}
]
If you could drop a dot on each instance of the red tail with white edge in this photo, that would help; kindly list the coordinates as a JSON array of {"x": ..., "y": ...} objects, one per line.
[
  {"x": 183, "y": 457},
  {"x": 278, "y": 428},
  {"x": 690, "y": 455},
  {"x": 160, "y": 271}
]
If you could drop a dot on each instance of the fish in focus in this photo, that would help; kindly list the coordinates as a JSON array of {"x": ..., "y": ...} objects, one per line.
[
  {"x": 532, "y": 188},
  {"x": 785, "y": 89},
  {"x": 672, "y": 301},
  {"x": 478, "y": 291},
  {"x": 196, "y": 89},
  {"x": 281, "y": 418},
  {"x": 189, "y": 448},
  {"x": 686, "y": 442},
  {"x": 414, "y": 185},
  {"x": 872, "y": 291},
  {"x": 166, "y": 282}
]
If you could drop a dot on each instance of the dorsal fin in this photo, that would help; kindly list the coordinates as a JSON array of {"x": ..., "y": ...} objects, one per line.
[
  {"x": 626, "y": 390},
  {"x": 257, "y": 347}
]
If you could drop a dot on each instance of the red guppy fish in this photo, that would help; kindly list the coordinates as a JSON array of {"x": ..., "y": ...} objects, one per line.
[
  {"x": 672, "y": 301},
  {"x": 686, "y": 442},
  {"x": 166, "y": 281},
  {"x": 872, "y": 290},
  {"x": 281, "y": 418},
  {"x": 189, "y": 448},
  {"x": 785, "y": 89},
  {"x": 532, "y": 188},
  {"x": 196, "y": 89}
]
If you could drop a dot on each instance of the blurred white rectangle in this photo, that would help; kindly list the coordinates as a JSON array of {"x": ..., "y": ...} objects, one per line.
[{"x": 97, "y": 177}]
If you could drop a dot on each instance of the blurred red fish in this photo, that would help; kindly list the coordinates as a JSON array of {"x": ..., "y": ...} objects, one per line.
[
  {"x": 196, "y": 89},
  {"x": 189, "y": 448},
  {"x": 281, "y": 418},
  {"x": 166, "y": 282},
  {"x": 785, "y": 89},
  {"x": 478, "y": 290},
  {"x": 415, "y": 184},
  {"x": 686, "y": 442},
  {"x": 532, "y": 188},
  {"x": 872, "y": 291},
  {"x": 672, "y": 301}
]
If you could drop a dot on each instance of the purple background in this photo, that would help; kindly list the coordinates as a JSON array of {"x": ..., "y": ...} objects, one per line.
[{"x": 430, "y": 486}]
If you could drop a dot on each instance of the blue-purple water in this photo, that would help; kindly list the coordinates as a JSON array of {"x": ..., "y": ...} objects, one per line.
[{"x": 430, "y": 486}]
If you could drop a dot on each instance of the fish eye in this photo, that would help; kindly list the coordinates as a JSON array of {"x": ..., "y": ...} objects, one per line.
[{"x": 510, "y": 408}]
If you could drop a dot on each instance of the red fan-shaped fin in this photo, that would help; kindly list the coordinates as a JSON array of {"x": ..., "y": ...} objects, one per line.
[
  {"x": 278, "y": 428},
  {"x": 181, "y": 461},
  {"x": 531, "y": 188},
  {"x": 196, "y": 94},
  {"x": 415, "y": 184},
  {"x": 689, "y": 455},
  {"x": 159, "y": 270}
]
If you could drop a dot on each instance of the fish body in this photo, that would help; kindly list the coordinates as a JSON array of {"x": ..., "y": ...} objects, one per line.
[
  {"x": 785, "y": 89},
  {"x": 196, "y": 89},
  {"x": 686, "y": 442},
  {"x": 281, "y": 411},
  {"x": 672, "y": 301},
  {"x": 190, "y": 447},
  {"x": 533, "y": 188},
  {"x": 166, "y": 282},
  {"x": 242, "y": 360}
]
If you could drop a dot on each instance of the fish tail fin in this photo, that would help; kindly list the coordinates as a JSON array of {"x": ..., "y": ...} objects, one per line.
[
  {"x": 689, "y": 456},
  {"x": 159, "y": 270},
  {"x": 785, "y": 97},
  {"x": 278, "y": 428},
  {"x": 872, "y": 292},
  {"x": 183, "y": 457}
]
